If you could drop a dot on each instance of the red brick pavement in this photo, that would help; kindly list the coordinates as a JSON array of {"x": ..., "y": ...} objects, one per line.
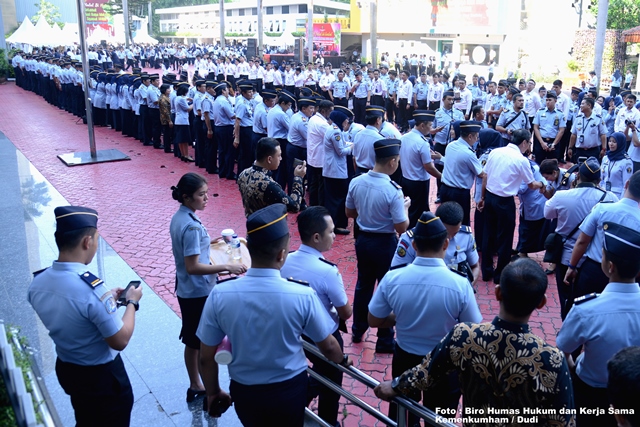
[{"x": 135, "y": 205}]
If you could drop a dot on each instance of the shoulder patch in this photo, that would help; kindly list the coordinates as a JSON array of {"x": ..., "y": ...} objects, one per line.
[
  {"x": 629, "y": 169},
  {"x": 460, "y": 273},
  {"x": 36, "y": 273},
  {"x": 91, "y": 280},
  {"x": 328, "y": 262},
  {"x": 410, "y": 233},
  {"x": 401, "y": 251},
  {"x": 300, "y": 282},
  {"x": 218, "y": 281},
  {"x": 585, "y": 298},
  {"x": 396, "y": 185},
  {"x": 395, "y": 267},
  {"x": 466, "y": 229}
]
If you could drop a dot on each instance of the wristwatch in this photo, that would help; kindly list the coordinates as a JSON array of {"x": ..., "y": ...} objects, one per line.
[{"x": 136, "y": 304}]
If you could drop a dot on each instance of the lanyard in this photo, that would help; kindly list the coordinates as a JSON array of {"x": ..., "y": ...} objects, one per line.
[{"x": 584, "y": 128}]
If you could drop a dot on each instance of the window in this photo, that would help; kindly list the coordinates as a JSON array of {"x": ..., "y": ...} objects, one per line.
[
  {"x": 269, "y": 10},
  {"x": 254, "y": 10},
  {"x": 229, "y": 12},
  {"x": 241, "y": 12},
  {"x": 302, "y": 8},
  {"x": 285, "y": 9}
]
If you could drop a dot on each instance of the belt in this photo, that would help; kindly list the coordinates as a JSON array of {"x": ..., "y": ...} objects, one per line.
[
  {"x": 500, "y": 197},
  {"x": 374, "y": 234}
]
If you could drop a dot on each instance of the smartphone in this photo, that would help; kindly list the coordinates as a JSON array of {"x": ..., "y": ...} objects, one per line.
[
  {"x": 123, "y": 296},
  {"x": 297, "y": 162},
  {"x": 582, "y": 159}
]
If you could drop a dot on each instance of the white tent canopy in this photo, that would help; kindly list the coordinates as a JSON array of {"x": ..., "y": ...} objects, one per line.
[
  {"x": 144, "y": 38},
  {"x": 43, "y": 35},
  {"x": 22, "y": 33}
]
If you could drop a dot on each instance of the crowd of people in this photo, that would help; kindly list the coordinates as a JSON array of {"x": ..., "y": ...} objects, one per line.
[{"x": 362, "y": 143}]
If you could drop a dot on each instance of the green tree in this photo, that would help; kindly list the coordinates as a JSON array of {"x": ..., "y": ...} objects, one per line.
[
  {"x": 48, "y": 10},
  {"x": 623, "y": 14}
]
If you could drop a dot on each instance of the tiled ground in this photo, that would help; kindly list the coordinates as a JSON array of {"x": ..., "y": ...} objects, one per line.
[{"x": 135, "y": 206}]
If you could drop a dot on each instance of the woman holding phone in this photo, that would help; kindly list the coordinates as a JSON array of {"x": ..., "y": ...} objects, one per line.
[{"x": 195, "y": 276}]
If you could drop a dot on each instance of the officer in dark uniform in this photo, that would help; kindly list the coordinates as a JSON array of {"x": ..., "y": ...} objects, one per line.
[
  {"x": 79, "y": 312},
  {"x": 380, "y": 210}
]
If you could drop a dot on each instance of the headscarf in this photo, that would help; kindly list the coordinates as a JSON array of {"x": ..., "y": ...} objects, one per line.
[
  {"x": 616, "y": 74},
  {"x": 488, "y": 140},
  {"x": 338, "y": 117},
  {"x": 618, "y": 100},
  {"x": 456, "y": 129},
  {"x": 620, "y": 149}
]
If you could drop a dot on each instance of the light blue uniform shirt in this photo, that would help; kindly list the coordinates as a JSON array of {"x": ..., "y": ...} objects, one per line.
[
  {"x": 378, "y": 201},
  {"x": 197, "y": 104},
  {"x": 278, "y": 123},
  {"x": 206, "y": 106},
  {"x": 77, "y": 316},
  {"x": 604, "y": 326},
  {"x": 142, "y": 94},
  {"x": 244, "y": 112},
  {"x": 462, "y": 166},
  {"x": 298, "y": 130},
  {"x": 309, "y": 265},
  {"x": 462, "y": 247},
  {"x": 496, "y": 102},
  {"x": 615, "y": 174},
  {"x": 223, "y": 111},
  {"x": 550, "y": 122},
  {"x": 362, "y": 90},
  {"x": 588, "y": 130},
  {"x": 182, "y": 110},
  {"x": 340, "y": 88},
  {"x": 445, "y": 118},
  {"x": 363, "y": 150},
  {"x": 531, "y": 200},
  {"x": 392, "y": 87},
  {"x": 260, "y": 118},
  {"x": 188, "y": 238},
  {"x": 354, "y": 129},
  {"x": 521, "y": 122},
  {"x": 428, "y": 300},
  {"x": 153, "y": 95},
  {"x": 421, "y": 90},
  {"x": 415, "y": 152},
  {"x": 264, "y": 316},
  {"x": 336, "y": 151},
  {"x": 624, "y": 212}
]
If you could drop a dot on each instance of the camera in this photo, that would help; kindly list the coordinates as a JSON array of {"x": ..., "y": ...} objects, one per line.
[{"x": 629, "y": 122}]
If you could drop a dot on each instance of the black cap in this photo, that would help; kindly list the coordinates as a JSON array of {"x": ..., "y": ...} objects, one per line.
[
  {"x": 552, "y": 94},
  {"x": 267, "y": 224},
  {"x": 201, "y": 82},
  {"x": 462, "y": 77},
  {"x": 219, "y": 86},
  {"x": 514, "y": 90},
  {"x": 575, "y": 89},
  {"x": 288, "y": 96},
  {"x": 211, "y": 83},
  {"x": 429, "y": 225},
  {"x": 448, "y": 93},
  {"x": 503, "y": 83},
  {"x": 347, "y": 112},
  {"x": 245, "y": 84},
  {"x": 375, "y": 111},
  {"x": 269, "y": 94},
  {"x": 386, "y": 148},
  {"x": 625, "y": 93},
  {"x": 144, "y": 77},
  {"x": 470, "y": 126},
  {"x": 590, "y": 169},
  {"x": 304, "y": 102},
  {"x": 70, "y": 218},
  {"x": 621, "y": 241},
  {"x": 424, "y": 115}
]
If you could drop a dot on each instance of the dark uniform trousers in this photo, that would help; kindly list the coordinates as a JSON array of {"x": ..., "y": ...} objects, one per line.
[
  {"x": 155, "y": 127},
  {"x": 564, "y": 291},
  {"x": 359, "y": 109},
  {"x": 591, "y": 397},
  {"x": 590, "y": 279},
  {"x": 403, "y": 114},
  {"x": 341, "y": 101},
  {"x": 329, "y": 401},
  {"x": 460, "y": 195},
  {"x": 246, "y": 154},
  {"x": 377, "y": 100},
  {"x": 540, "y": 154},
  {"x": 277, "y": 404},
  {"x": 374, "y": 252},
  {"x": 226, "y": 151},
  {"x": 422, "y": 104},
  {"x": 585, "y": 152},
  {"x": 101, "y": 395},
  {"x": 142, "y": 120},
  {"x": 444, "y": 394},
  {"x": 418, "y": 192},
  {"x": 390, "y": 106},
  {"x": 201, "y": 141},
  {"x": 254, "y": 142},
  {"x": 293, "y": 152},
  {"x": 316, "y": 186},
  {"x": 499, "y": 227},
  {"x": 561, "y": 149},
  {"x": 335, "y": 196},
  {"x": 211, "y": 151},
  {"x": 281, "y": 174}
]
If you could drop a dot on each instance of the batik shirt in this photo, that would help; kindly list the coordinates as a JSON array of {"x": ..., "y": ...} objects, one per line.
[{"x": 259, "y": 190}]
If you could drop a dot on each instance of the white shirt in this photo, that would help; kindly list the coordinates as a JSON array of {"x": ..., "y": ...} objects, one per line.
[
  {"x": 532, "y": 102},
  {"x": 625, "y": 114},
  {"x": 326, "y": 80},
  {"x": 316, "y": 129},
  {"x": 506, "y": 169},
  {"x": 405, "y": 89},
  {"x": 466, "y": 98}
]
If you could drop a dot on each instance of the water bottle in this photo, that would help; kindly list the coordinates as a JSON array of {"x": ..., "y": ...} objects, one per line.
[
  {"x": 223, "y": 355},
  {"x": 235, "y": 248},
  {"x": 227, "y": 235}
]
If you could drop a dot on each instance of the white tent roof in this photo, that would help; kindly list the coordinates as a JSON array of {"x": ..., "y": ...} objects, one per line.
[
  {"x": 22, "y": 33},
  {"x": 144, "y": 37},
  {"x": 43, "y": 34}
]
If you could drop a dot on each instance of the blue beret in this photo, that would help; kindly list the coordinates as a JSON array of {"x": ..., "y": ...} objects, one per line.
[{"x": 70, "y": 218}]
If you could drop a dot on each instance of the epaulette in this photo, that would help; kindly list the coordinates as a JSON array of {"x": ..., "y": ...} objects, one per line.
[
  {"x": 300, "y": 282},
  {"x": 463, "y": 274},
  {"x": 398, "y": 266},
  {"x": 541, "y": 109},
  {"x": 327, "y": 261},
  {"x": 396, "y": 185},
  {"x": 218, "y": 281},
  {"x": 599, "y": 115},
  {"x": 193, "y": 217},
  {"x": 585, "y": 298},
  {"x": 91, "y": 280},
  {"x": 36, "y": 273},
  {"x": 466, "y": 229},
  {"x": 410, "y": 233}
]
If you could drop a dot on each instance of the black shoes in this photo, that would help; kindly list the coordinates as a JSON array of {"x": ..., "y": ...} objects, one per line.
[
  {"x": 355, "y": 338},
  {"x": 385, "y": 348},
  {"x": 194, "y": 394}
]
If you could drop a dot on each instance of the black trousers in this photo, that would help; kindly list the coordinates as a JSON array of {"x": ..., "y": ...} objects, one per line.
[
  {"x": 316, "y": 186},
  {"x": 499, "y": 227},
  {"x": 586, "y": 396},
  {"x": 293, "y": 152},
  {"x": 590, "y": 279},
  {"x": 390, "y": 106},
  {"x": 201, "y": 139},
  {"x": 418, "y": 191},
  {"x": 167, "y": 138},
  {"x": 344, "y": 102},
  {"x": 211, "y": 152},
  {"x": 532, "y": 234},
  {"x": 335, "y": 196},
  {"x": 585, "y": 152},
  {"x": 277, "y": 404},
  {"x": 155, "y": 126},
  {"x": 359, "y": 110},
  {"x": 142, "y": 119},
  {"x": 281, "y": 173},
  {"x": 444, "y": 394},
  {"x": 374, "y": 252},
  {"x": 226, "y": 151},
  {"x": 434, "y": 105},
  {"x": 564, "y": 291},
  {"x": 329, "y": 401},
  {"x": 101, "y": 395},
  {"x": 403, "y": 114},
  {"x": 246, "y": 155},
  {"x": 541, "y": 154},
  {"x": 422, "y": 104},
  {"x": 561, "y": 149},
  {"x": 377, "y": 100},
  {"x": 460, "y": 195}
]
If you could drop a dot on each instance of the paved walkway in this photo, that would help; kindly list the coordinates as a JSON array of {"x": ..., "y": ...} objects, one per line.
[{"x": 135, "y": 206}]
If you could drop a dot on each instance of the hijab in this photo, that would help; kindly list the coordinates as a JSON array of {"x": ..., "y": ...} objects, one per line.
[
  {"x": 617, "y": 75},
  {"x": 620, "y": 149},
  {"x": 488, "y": 140}
]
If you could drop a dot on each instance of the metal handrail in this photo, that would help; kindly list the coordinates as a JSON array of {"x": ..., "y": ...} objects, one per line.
[{"x": 410, "y": 405}]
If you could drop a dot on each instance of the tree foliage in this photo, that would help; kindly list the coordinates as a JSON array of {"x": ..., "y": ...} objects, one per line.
[
  {"x": 49, "y": 11},
  {"x": 623, "y": 14}
]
